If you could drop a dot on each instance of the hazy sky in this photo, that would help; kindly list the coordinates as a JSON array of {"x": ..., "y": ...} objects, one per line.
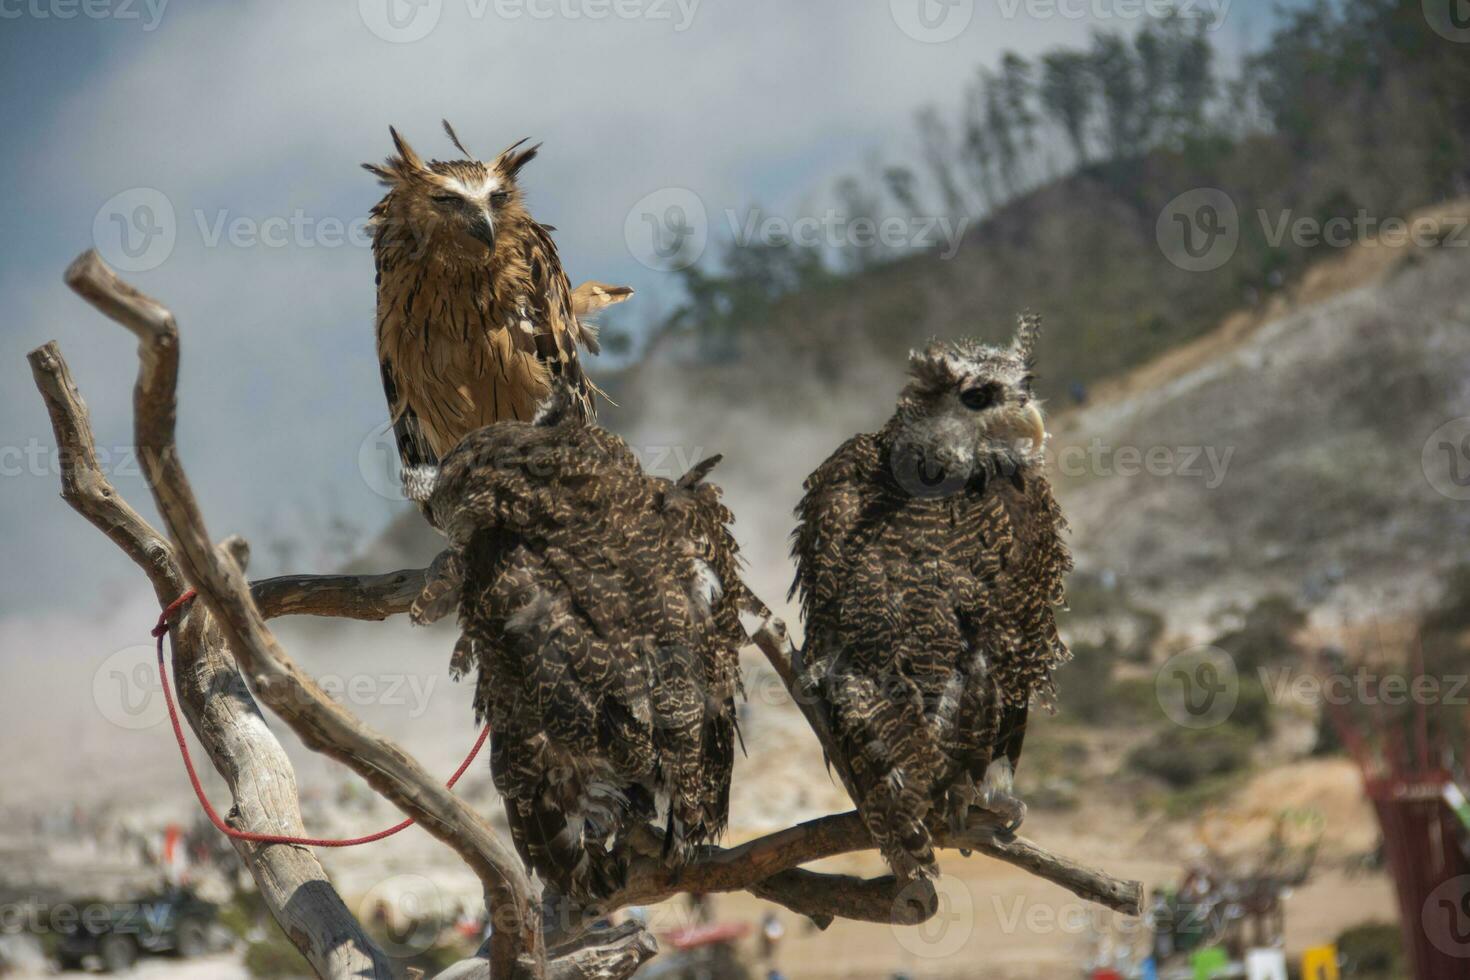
[{"x": 220, "y": 142}]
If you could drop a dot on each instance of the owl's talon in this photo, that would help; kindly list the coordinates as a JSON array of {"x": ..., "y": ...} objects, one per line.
[{"x": 1010, "y": 809}]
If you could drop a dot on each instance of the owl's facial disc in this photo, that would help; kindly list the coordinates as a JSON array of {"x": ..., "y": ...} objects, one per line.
[{"x": 471, "y": 211}]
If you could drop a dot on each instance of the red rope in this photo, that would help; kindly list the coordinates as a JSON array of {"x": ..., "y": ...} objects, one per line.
[{"x": 159, "y": 632}]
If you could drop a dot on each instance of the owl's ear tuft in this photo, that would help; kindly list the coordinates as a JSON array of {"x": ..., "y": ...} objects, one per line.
[
  {"x": 932, "y": 367},
  {"x": 699, "y": 471},
  {"x": 408, "y": 158},
  {"x": 514, "y": 158},
  {"x": 383, "y": 174},
  {"x": 454, "y": 138},
  {"x": 1028, "y": 334}
]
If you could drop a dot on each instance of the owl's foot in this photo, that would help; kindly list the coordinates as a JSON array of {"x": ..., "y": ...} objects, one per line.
[{"x": 1009, "y": 808}]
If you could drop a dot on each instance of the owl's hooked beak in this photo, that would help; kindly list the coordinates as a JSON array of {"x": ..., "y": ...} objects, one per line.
[
  {"x": 482, "y": 227},
  {"x": 1025, "y": 424},
  {"x": 1033, "y": 426}
]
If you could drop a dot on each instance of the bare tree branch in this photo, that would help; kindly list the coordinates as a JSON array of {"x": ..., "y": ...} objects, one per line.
[
  {"x": 373, "y": 597},
  {"x": 293, "y": 695},
  {"x": 217, "y": 704}
]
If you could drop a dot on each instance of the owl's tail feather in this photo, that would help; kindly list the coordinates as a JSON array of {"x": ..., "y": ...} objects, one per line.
[
  {"x": 894, "y": 818},
  {"x": 557, "y": 848},
  {"x": 889, "y": 757}
]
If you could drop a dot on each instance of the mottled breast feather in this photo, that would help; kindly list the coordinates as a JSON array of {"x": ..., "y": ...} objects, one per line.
[
  {"x": 929, "y": 632},
  {"x": 600, "y": 606}
]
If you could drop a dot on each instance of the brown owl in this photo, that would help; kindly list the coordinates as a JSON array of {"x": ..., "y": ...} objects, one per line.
[
  {"x": 601, "y": 607},
  {"x": 929, "y": 561},
  {"x": 475, "y": 315}
]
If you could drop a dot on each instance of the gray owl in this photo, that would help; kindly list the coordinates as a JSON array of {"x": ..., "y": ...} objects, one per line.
[
  {"x": 600, "y": 606},
  {"x": 929, "y": 561}
]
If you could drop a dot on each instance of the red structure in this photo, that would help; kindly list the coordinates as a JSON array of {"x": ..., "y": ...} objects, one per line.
[{"x": 1406, "y": 776}]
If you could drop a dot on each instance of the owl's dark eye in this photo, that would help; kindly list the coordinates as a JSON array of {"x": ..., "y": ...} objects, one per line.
[
  {"x": 500, "y": 197},
  {"x": 447, "y": 199},
  {"x": 979, "y": 398}
]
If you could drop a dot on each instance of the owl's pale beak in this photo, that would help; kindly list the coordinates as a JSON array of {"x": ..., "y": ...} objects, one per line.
[
  {"x": 1033, "y": 426},
  {"x": 1025, "y": 424},
  {"x": 482, "y": 227}
]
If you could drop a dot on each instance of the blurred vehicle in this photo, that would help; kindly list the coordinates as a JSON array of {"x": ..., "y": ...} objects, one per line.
[{"x": 117, "y": 934}]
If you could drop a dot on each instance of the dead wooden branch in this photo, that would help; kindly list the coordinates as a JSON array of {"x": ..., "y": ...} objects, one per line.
[{"x": 217, "y": 703}]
